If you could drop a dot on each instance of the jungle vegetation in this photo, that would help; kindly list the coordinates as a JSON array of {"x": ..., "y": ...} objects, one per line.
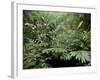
[{"x": 56, "y": 39}]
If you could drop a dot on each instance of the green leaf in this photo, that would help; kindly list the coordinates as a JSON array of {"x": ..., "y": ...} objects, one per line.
[
  {"x": 56, "y": 50},
  {"x": 80, "y": 24},
  {"x": 83, "y": 56}
]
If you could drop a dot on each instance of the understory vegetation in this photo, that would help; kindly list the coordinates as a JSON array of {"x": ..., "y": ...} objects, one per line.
[{"x": 56, "y": 39}]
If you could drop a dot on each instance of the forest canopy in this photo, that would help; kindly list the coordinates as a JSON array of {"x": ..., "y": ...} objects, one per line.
[{"x": 56, "y": 39}]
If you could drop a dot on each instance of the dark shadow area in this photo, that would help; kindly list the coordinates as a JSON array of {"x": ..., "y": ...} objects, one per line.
[{"x": 56, "y": 62}]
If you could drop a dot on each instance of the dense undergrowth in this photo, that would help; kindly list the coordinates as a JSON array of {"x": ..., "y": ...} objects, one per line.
[{"x": 56, "y": 39}]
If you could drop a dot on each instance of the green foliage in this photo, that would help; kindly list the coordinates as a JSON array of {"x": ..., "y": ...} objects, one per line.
[
  {"x": 56, "y": 39},
  {"x": 55, "y": 50},
  {"x": 83, "y": 56}
]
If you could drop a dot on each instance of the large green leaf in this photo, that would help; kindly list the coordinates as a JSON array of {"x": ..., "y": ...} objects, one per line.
[{"x": 83, "y": 56}]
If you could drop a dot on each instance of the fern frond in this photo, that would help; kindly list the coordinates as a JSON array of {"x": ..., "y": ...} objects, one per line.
[
  {"x": 55, "y": 50},
  {"x": 83, "y": 56}
]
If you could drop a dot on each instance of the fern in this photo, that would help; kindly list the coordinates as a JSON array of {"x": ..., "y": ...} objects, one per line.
[
  {"x": 65, "y": 56},
  {"x": 83, "y": 56},
  {"x": 56, "y": 38},
  {"x": 57, "y": 53},
  {"x": 56, "y": 50}
]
